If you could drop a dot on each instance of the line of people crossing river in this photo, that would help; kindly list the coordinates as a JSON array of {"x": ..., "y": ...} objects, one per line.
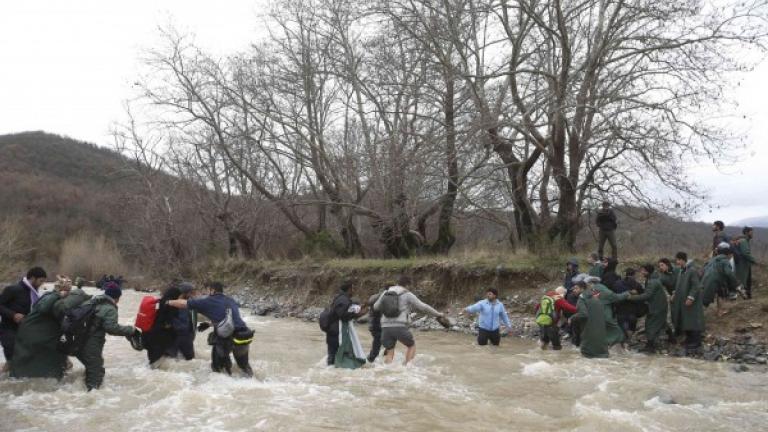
[{"x": 39, "y": 332}]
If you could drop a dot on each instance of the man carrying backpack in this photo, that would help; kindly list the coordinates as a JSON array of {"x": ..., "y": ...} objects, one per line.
[
  {"x": 744, "y": 260},
  {"x": 548, "y": 313},
  {"x": 230, "y": 334},
  {"x": 491, "y": 315},
  {"x": 102, "y": 321},
  {"x": 395, "y": 306}
]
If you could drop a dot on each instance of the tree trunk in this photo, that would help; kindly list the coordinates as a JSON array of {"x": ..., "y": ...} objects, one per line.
[{"x": 445, "y": 236}]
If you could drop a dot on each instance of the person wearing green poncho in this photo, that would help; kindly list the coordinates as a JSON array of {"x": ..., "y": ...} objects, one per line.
[
  {"x": 36, "y": 354},
  {"x": 589, "y": 321},
  {"x": 350, "y": 354},
  {"x": 656, "y": 296},
  {"x": 687, "y": 305},
  {"x": 718, "y": 280},
  {"x": 744, "y": 260}
]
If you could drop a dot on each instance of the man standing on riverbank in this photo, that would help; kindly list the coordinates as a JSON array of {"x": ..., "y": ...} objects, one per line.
[
  {"x": 395, "y": 305},
  {"x": 744, "y": 260},
  {"x": 687, "y": 304},
  {"x": 607, "y": 224},
  {"x": 491, "y": 315}
]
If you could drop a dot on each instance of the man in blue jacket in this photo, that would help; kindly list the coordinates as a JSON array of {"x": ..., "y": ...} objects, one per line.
[
  {"x": 491, "y": 315},
  {"x": 215, "y": 306}
]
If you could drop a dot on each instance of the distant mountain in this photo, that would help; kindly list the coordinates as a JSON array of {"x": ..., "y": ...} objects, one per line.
[
  {"x": 57, "y": 186},
  {"x": 759, "y": 221}
]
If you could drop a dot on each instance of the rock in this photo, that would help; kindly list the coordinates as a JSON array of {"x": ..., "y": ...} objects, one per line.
[
  {"x": 739, "y": 368},
  {"x": 761, "y": 360},
  {"x": 755, "y": 325},
  {"x": 666, "y": 398}
]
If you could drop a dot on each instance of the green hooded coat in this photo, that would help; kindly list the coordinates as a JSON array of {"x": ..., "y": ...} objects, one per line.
[
  {"x": 688, "y": 318},
  {"x": 104, "y": 322},
  {"x": 658, "y": 304},
  {"x": 668, "y": 280},
  {"x": 36, "y": 354},
  {"x": 744, "y": 261},
  {"x": 596, "y": 270},
  {"x": 591, "y": 321},
  {"x": 718, "y": 276},
  {"x": 614, "y": 333}
]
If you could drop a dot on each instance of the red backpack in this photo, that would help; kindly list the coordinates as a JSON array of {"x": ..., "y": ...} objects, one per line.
[{"x": 147, "y": 313}]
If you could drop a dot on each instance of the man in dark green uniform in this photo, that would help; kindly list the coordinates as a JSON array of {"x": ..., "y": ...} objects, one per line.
[
  {"x": 589, "y": 321},
  {"x": 595, "y": 265},
  {"x": 718, "y": 280},
  {"x": 104, "y": 321},
  {"x": 36, "y": 354},
  {"x": 656, "y": 296},
  {"x": 687, "y": 304},
  {"x": 744, "y": 260}
]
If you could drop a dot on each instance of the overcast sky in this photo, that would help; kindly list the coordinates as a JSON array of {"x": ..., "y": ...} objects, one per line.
[{"x": 67, "y": 66}]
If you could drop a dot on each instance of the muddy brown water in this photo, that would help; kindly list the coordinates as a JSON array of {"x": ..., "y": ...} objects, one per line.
[{"x": 453, "y": 385}]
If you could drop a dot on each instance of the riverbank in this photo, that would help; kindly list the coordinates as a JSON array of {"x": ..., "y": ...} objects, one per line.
[{"x": 301, "y": 291}]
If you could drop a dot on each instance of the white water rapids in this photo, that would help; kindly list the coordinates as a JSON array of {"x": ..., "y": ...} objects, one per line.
[{"x": 453, "y": 385}]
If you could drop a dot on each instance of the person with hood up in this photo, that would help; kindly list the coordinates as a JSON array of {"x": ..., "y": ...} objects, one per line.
[
  {"x": 614, "y": 333},
  {"x": 687, "y": 304},
  {"x": 394, "y": 323},
  {"x": 103, "y": 322},
  {"x": 571, "y": 270},
  {"x": 341, "y": 312},
  {"x": 36, "y": 352},
  {"x": 589, "y": 322},
  {"x": 718, "y": 280},
  {"x": 658, "y": 303}
]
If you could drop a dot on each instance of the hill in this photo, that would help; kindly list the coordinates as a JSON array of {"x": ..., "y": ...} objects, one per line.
[
  {"x": 55, "y": 186},
  {"x": 759, "y": 221}
]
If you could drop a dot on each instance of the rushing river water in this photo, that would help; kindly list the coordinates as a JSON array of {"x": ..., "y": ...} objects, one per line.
[{"x": 453, "y": 385}]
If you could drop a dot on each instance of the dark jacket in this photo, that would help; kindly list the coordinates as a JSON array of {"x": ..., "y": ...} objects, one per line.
[
  {"x": 629, "y": 284},
  {"x": 162, "y": 334},
  {"x": 374, "y": 324},
  {"x": 610, "y": 278},
  {"x": 215, "y": 308},
  {"x": 606, "y": 220},
  {"x": 340, "y": 311},
  {"x": 14, "y": 299}
]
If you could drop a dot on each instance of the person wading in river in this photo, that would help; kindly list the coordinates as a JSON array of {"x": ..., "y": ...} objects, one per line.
[
  {"x": 230, "y": 334},
  {"x": 395, "y": 305},
  {"x": 589, "y": 322},
  {"x": 658, "y": 303},
  {"x": 491, "y": 315},
  {"x": 103, "y": 322},
  {"x": 184, "y": 326},
  {"x": 374, "y": 326},
  {"x": 548, "y": 312},
  {"x": 16, "y": 302}
]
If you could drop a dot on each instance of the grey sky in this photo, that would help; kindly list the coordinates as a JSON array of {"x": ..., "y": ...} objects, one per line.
[{"x": 67, "y": 67}]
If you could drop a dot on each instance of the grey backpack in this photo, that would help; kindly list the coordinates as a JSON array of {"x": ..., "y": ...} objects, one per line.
[
  {"x": 390, "y": 304},
  {"x": 226, "y": 327}
]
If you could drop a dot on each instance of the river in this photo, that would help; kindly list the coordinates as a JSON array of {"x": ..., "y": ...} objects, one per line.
[{"x": 453, "y": 385}]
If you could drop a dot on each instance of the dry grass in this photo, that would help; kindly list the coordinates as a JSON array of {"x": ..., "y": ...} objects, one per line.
[{"x": 90, "y": 256}]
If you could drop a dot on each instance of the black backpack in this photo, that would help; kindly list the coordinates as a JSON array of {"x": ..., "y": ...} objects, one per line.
[
  {"x": 326, "y": 317},
  {"x": 390, "y": 304},
  {"x": 75, "y": 326}
]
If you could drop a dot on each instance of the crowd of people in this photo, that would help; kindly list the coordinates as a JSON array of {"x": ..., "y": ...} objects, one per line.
[
  {"x": 40, "y": 332},
  {"x": 595, "y": 309}
]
